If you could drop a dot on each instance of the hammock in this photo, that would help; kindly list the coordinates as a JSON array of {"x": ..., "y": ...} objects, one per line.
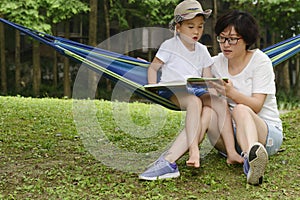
[{"x": 130, "y": 71}]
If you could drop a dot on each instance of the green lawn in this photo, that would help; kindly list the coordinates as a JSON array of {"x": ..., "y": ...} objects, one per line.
[{"x": 55, "y": 149}]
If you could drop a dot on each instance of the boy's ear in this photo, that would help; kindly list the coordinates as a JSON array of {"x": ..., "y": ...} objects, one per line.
[{"x": 177, "y": 27}]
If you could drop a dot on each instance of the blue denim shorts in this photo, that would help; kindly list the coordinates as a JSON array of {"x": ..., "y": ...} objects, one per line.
[
  {"x": 195, "y": 90},
  {"x": 273, "y": 141}
]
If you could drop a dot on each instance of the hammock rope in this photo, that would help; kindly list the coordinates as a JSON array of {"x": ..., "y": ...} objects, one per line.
[{"x": 130, "y": 71}]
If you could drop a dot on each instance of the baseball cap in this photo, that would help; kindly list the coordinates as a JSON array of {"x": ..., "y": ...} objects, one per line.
[{"x": 188, "y": 9}]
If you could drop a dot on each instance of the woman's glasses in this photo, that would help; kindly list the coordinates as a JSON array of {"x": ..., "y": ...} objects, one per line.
[{"x": 231, "y": 41}]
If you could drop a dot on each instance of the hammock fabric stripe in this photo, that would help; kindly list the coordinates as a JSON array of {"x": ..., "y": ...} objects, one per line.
[
  {"x": 130, "y": 71},
  {"x": 283, "y": 50}
]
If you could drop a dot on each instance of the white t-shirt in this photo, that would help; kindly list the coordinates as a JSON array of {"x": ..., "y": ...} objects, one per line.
[
  {"x": 179, "y": 62},
  {"x": 257, "y": 77}
]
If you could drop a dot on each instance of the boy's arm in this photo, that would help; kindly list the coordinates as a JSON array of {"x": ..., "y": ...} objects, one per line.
[
  {"x": 152, "y": 70},
  {"x": 207, "y": 72}
]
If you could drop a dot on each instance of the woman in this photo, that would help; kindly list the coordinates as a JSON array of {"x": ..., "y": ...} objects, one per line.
[{"x": 250, "y": 92}]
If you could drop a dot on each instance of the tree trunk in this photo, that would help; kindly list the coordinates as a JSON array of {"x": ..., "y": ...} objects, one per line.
[
  {"x": 67, "y": 87},
  {"x": 2, "y": 58},
  {"x": 107, "y": 25},
  {"x": 93, "y": 76},
  {"x": 93, "y": 23},
  {"x": 18, "y": 62},
  {"x": 214, "y": 20},
  {"x": 286, "y": 77},
  {"x": 298, "y": 76},
  {"x": 36, "y": 68},
  {"x": 54, "y": 67}
]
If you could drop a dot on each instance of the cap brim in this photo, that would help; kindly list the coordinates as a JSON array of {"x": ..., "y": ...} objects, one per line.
[{"x": 205, "y": 13}]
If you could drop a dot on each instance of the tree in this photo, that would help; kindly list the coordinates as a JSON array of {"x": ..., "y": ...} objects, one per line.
[
  {"x": 107, "y": 34},
  {"x": 40, "y": 15},
  {"x": 93, "y": 76},
  {"x": 36, "y": 63},
  {"x": 150, "y": 12},
  {"x": 107, "y": 23},
  {"x": 18, "y": 62},
  {"x": 93, "y": 23},
  {"x": 214, "y": 19},
  {"x": 25, "y": 13},
  {"x": 2, "y": 58}
]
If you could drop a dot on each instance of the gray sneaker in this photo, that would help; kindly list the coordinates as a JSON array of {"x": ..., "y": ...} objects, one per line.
[
  {"x": 160, "y": 169},
  {"x": 255, "y": 164}
]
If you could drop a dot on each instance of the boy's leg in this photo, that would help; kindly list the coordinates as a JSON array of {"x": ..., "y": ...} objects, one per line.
[
  {"x": 193, "y": 107},
  {"x": 180, "y": 145},
  {"x": 165, "y": 167}
]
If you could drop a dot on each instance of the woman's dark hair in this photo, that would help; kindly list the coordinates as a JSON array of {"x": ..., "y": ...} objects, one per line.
[{"x": 244, "y": 24}]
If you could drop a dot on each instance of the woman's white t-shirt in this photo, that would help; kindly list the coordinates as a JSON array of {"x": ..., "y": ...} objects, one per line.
[
  {"x": 257, "y": 77},
  {"x": 179, "y": 62}
]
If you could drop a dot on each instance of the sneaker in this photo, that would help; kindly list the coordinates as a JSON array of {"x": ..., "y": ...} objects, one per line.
[
  {"x": 160, "y": 169},
  {"x": 255, "y": 164}
]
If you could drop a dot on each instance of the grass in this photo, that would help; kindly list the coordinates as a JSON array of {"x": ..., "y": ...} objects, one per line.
[{"x": 52, "y": 149}]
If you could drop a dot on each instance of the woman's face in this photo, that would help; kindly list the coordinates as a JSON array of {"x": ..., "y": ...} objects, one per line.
[{"x": 232, "y": 44}]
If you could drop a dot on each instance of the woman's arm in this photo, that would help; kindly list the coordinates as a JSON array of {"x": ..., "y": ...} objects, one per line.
[
  {"x": 152, "y": 70},
  {"x": 255, "y": 102}
]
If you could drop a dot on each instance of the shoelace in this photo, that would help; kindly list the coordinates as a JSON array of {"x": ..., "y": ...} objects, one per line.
[
  {"x": 156, "y": 163},
  {"x": 246, "y": 163}
]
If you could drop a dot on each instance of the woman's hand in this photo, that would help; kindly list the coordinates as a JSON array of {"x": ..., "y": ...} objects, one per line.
[
  {"x": 255, "y": 101},
  {"x": 222, "y": 87}
]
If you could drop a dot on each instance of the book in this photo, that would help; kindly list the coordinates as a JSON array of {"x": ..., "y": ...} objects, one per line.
[
  {"x": 190, "y": 82},
  {"x": 201, "y": 80}
]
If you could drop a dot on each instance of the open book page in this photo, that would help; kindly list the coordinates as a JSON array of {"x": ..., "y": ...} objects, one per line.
[
  {"x": 168, "y": 85},
  {"x": 183, "y": 84}
]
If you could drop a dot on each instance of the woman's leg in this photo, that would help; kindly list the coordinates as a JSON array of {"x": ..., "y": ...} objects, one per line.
[
  {"x": 214, "y": 135},
  {"x": 250, "y": 128},
  {"x": 251, "y": 133},
  {"x": 220, "y": 106}
]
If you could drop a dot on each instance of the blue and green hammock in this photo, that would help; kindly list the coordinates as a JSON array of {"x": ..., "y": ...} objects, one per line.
[{"x": 130, "y": 71}]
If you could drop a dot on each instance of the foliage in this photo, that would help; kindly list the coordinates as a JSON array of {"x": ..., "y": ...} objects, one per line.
[
  {"x": 281, "y": 16},
  {"x": 24, "y": 12},
  {"x": 287, "y": 101},
  {"x": 43, "y": 157},
  {"x": 148, "y": 12},
  {"x": 161, "y": 12},
  {"x": 40, "y": 14},
  {"x": 59, "y": 10}
]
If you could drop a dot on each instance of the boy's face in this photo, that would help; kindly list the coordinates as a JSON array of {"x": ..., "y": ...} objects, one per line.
[{"x": 191, "y": 30}]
